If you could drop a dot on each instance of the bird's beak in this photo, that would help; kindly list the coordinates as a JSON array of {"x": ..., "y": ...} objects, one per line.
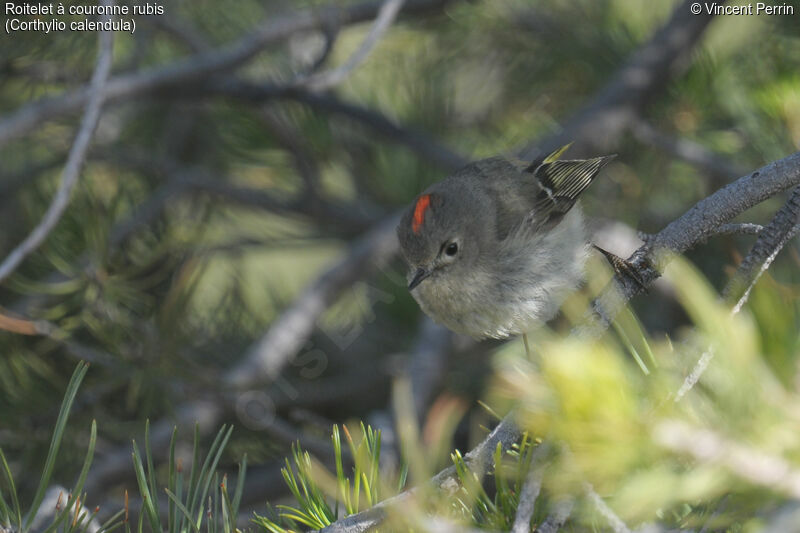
[{"x": 419, "y": 275}]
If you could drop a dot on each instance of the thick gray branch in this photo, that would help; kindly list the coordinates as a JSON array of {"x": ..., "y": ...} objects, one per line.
[{"x": 694, "y": 227}]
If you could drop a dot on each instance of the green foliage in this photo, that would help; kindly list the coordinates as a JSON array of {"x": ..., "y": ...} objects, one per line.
[
  {"x": 203, "y": 501},
  {"x": 619, "y": 414},
  {"x": 187, "y": 509},
  {"x": 163, "y": 286},
  {"x": 318, "y": 494},
  {"x": 70, "y": 518},
  {"x": 655, "y": 444},
  {"x": 472, "y": 503},
  {"x": 311, "y": 486}
]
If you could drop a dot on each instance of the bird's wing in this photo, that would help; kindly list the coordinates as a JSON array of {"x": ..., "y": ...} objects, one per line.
[{"x": 559, "y": 185}]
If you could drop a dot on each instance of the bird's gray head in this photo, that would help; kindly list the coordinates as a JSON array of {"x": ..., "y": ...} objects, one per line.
[{"x": 439, "y": 237}]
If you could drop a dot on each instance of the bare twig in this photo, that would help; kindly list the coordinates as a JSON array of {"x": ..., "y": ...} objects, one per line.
[
  {"x": 694, "y": 376},
  {"x": 687, "y": 150},
  {"x": 197, "y": 67},
  {"x": 69, "y": 176},
  {"x": 561, "y": 511},
  {"x": 20, "y": 326},
  {"x": 418, "y": 141},
  {"x": 755, "y": 466},
  {"x": 770, "y": 242},
  {"x": 267, "y": 357},
  {"x": 767, "y": 262},
  {"x": 616, "y": 523},
  {"x": 744, "y": 228},
  {"x": 529, "y": 493},
  {"x": 330, "y": 78}
]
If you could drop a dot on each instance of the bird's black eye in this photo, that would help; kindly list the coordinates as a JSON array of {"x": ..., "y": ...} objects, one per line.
[{"x": 452, "y": 249}]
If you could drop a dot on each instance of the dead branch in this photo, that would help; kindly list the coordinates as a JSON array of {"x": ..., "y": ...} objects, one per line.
[
  {"x": 325, "y": 80},
  {"x": 770, "y": 242},
  {"x": 95, "y": 97},
  {"x": 198, "y": 67},
  {"x": 267, "y": 357}
]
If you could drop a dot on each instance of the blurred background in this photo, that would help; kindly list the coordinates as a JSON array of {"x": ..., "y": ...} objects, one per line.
[{"x": 228, "y": 253}]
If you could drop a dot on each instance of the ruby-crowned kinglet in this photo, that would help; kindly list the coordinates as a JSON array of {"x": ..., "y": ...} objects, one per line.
[{"x": 496, "y": 247}]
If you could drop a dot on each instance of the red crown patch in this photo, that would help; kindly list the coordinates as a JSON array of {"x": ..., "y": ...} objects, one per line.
[{"x": 423, "y": 203}]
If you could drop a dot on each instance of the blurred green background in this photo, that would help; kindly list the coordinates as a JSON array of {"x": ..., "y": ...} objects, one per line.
[{"x": 202, "y": 213}]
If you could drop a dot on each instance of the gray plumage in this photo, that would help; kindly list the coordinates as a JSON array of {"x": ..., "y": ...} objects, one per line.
[{"x": 496, "y": 247}]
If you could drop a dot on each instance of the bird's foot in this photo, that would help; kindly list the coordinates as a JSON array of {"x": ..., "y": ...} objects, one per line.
[{"x": 623, "y": 267}]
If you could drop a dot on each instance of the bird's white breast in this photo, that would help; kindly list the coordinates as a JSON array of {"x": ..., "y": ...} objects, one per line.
[{"x": 517, "y": 289}]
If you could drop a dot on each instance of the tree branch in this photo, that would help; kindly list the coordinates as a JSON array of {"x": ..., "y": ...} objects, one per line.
[
  {"x": 197, "y": 67},
  {"x": 613, "y": 110},
  {"x": 478, "y": 460},
  {"x": 418, "y": 141},
  {"x": 782, "y": 227},
  {"x": 556, "y": 519},
  {"x": 693, "y": 227},
  {"x": 616, "y": 523},
  {"x": 325, "y": 80},
  {"x": 529, "y": 493},
  {"x": 69, "y": 176},
  {"x": 744, "y": 228},
  {"x": 267, "y": 357},
  {"x": 690, "y": 151},
  {"x": 771, "y": 240}
]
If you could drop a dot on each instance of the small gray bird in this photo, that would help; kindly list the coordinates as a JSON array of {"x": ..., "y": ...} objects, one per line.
[{"x": 496, "y": 247}]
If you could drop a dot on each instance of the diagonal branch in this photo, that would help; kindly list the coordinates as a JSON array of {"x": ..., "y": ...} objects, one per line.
[
  {"x": 561, "y": 511},
  {"x": 286, "y": 335},
  {"x": 197, "y": 67},
  {"x": 95, "y": 96},
  {"x": 693, "y": 227},
  {"x": 330, "y": 78},
  {"x": 690, "y": 151},
  {"x": 771, "y": 240},
  {"x": 418, "y": 141},
  {"x": 529, "y": 493},
  {"x": 478, "y": 459}
]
